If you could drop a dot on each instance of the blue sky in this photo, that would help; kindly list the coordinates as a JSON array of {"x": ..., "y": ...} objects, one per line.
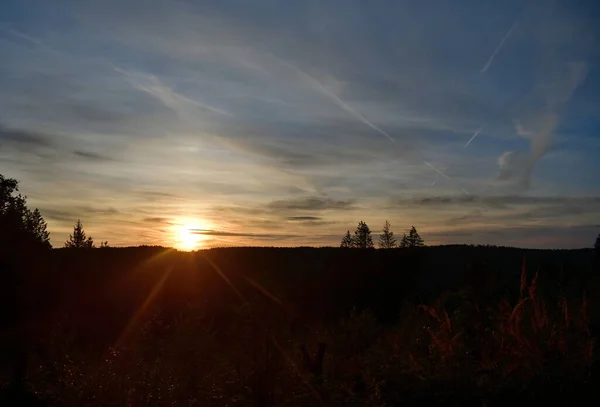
[{"x": 285, "y": 123}]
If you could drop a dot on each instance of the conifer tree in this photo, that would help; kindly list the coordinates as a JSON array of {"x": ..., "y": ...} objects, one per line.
[
  {"x": 362, "y": 236},
  {"x": 78, "y": 239},
  {"x": 414, "y": 240},
  {"x": 347, "y": 241},
  {"x": 404, "y": 241},
  {"x": 386, "y": 239}
]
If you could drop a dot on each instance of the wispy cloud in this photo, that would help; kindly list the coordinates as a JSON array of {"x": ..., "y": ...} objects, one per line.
[
  {"x": 90, "y": 155},
  {"x": 557, "y": 91},
  {"x": 175, "y": 100},
  {"x": 24, "y": 138},
  {"x": 276, "y": 121},
  {"x": 303, "y": 218},
  {"x": 312, "y": 204},
  {"x": 26, "y": 37},
  {"x": 221, "y": 233}
]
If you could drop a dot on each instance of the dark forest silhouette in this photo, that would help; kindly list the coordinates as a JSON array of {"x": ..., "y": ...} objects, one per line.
[{"x": 407, "y": 325}]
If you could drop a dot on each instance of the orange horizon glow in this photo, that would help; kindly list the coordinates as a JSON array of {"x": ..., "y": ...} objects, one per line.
[{"x": 184, "y": 236}]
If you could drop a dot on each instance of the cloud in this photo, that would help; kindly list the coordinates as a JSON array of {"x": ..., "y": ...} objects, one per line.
[
  {"x": 57, "y": 214},
  {"x": 218, "y": 233},
  {"x": 157, "y": 194},
  {"x": 284, "y": 150},
  {"x": 312, "y": 204},
  {"x": 98, "y": 211},
  {"x": 303, "y": 218},
  {"x": 499, "y": 200},
  {"x": 24, "y": 139},
  {"x": 513, "y": 164},
  {"x": 72, "y": 213},
  {"x": 180, "y": 103},
  {"x": 155, "y": 220},
  {"x": 229, "y": 114},
  {"x": 90, "y": 155},
  {"x": 556, "y": 91}
]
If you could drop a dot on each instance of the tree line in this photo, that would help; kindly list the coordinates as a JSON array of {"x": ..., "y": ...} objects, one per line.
[
  {"x": 362, "y": 238},
  {"x": 25, "y": 228},
  {"x": 79, "y": 240}
]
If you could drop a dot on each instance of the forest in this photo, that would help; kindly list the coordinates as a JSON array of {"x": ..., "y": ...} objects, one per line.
[{"x": 406, "y": 324}]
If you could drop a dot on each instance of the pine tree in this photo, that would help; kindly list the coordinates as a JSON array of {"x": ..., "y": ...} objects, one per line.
[
  {"x": 362, "y": 236},
  {"x": 78, "y": 239},
  {"x": 104, "y": 245},
  {"x": 37, "y": 226},
  {"x": 19, "y": 227},
  {"x": 403, "y": 241},
  {"x": 347, "y": 241},
  {"x": 386, "y": 239},
  {"x": 413, "y": 239}
]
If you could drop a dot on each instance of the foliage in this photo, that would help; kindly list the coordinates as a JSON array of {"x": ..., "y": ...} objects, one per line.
[
  {"x": 404, "y": 241},
  {"x": 362, "y": 237},
  {"x": 386, "y": 239},
  {"x": 78, "y": 239},
  {"x": 412, "y": 240},
  {"x": 347, "y": 241},
  {"x": 597, "y": 244},
  {"x": 435, "y": 354},
  {"x": 104, "y": 245},
  {"x": 19, "y": 225}
]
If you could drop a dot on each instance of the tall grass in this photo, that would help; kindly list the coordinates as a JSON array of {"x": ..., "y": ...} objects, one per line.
[{"x": 454, "y": 347}]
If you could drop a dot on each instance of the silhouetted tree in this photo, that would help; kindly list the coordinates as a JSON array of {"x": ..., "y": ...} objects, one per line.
[
  {"x": 404, "y": 241},
  {"x": 386, "y": 239},
  {"x": 362, "y": 236},
  {"x": 19, "y": 227},
  {"x": 38, "y": 228},
  {"x": 104, "y": 245},
  {"x": 597, "y": 254},
  {"x": 413, "y": 239},
  {"x": 23, "y": 234},
  {"x": 78, "y": 239},
  {"x": 347, "y": 240}
]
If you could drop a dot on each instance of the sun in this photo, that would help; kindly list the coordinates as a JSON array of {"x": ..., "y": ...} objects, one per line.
[{"x": 186, "y": 236}]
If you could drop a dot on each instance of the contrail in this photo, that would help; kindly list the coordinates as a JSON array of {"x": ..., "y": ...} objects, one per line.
[
  {"x": 25, "y": 37},
  {"x": 337, "y": 99},
  {"x": 498, "y": 48},
  {"x": 474, "y": 135},
  {"x": 319, "y": 86},
  {"x": 438, "y": 171},
  {"x": 464, "y": 191}
]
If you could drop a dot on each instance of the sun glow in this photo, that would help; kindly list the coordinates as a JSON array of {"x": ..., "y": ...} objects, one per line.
[{"x": 186, "y": 236}]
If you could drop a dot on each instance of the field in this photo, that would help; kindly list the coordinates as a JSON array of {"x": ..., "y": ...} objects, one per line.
[{"x": 448, "y": 325}]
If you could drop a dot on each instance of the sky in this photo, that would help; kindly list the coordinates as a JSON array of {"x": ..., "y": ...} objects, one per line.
[{"x": 271, "y": 123}]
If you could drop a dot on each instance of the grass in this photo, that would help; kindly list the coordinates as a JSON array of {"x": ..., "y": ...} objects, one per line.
[{"x": 455, "y": 351}]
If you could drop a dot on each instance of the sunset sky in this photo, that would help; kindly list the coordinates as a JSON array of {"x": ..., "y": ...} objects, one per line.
[{"x": 284, "y": 123}]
